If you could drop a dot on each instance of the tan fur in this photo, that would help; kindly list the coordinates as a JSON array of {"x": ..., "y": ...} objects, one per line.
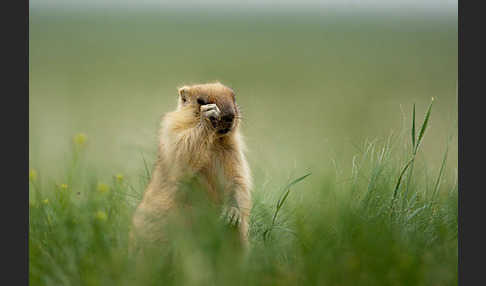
[{"x": 190, "y": 145}]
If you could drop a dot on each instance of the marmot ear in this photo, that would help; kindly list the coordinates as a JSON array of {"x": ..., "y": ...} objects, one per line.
[
  {"x": 183, "y": 90},
  {"x": 183, "y": 93}
]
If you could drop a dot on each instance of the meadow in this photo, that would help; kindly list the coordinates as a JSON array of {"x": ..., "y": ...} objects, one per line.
[{"x": 355, "y": 177}]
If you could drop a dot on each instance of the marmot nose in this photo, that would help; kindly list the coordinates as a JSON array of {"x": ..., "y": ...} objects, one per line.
[{"x": 228, "y": 117}]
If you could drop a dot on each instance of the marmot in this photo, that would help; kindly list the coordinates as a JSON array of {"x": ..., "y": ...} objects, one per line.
[{"x": 200, "y": 138}]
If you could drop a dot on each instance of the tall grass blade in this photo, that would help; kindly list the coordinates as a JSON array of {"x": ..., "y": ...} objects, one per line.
[
  {"x": 281, "y": 202},
  {"x": 419, "y": 140},
  {"x": 424, "y": 126},
  {"x": 284, "y": 196},
  {"x": 441, "y": 171},
  {"x": 413, "y": 127},
  {"x": 147, "y": 170},
  {"x": 416, "y": 212},
  {"x": 413, "y": 148},
  {"x": 395, "y": 191}
]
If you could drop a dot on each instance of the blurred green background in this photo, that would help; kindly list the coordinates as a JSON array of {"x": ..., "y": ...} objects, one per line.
[
  {"x": 312, "y": 85},
  {"x": 321, "y": 91}
]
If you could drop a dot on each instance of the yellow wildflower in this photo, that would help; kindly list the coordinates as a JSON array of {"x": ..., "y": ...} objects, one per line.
[
  {"x": 119, "y": 177},
  {"x": 100, "y": 215},
  {"x": 32, "y": 175},
  {"x": 103, "y": 188},
  {"x": 46, "y": 201},
  {"x": 80, "y": 139}
]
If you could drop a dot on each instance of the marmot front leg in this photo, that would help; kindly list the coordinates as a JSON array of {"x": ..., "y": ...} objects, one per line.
[
  {"x": 236, "y": 210},
  {"x": 237, "y": 197}
]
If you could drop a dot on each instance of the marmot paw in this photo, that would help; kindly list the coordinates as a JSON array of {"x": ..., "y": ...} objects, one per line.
[
  {"x": 210, "y": 112},
  {"x": 231, "y": 215}
]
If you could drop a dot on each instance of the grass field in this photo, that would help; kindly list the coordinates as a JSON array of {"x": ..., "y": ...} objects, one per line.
[{"x": 321, "y": 94}]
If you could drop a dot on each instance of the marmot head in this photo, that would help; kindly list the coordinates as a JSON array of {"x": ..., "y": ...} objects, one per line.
[{"x": 212, "y": 93}]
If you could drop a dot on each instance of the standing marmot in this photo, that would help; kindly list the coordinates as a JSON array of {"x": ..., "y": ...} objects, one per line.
[{"x": 200, "y": 138}]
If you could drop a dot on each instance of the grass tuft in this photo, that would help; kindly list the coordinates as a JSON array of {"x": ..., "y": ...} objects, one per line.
[{"x": 335, "y": 232}]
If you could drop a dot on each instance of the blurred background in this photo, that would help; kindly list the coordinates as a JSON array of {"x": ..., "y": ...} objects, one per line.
[{"x": 314, "y": 79}]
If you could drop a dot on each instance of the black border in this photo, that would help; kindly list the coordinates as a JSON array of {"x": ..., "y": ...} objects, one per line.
[
  {"x": 471, "y": 240},
  {"x": 15, "y": 140},
  {"x": 14, "y": 118}
]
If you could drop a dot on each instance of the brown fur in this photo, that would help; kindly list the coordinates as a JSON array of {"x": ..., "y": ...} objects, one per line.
[{"x": 190, "y": 145}]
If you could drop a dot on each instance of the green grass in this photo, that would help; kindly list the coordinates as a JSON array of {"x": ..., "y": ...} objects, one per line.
[
  {"x": 328, "y": 96},
  {"x": 364, "y": 231}
]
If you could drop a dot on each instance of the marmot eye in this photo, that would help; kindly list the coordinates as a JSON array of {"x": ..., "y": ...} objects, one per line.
[{"x": 201, "y": 101}]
